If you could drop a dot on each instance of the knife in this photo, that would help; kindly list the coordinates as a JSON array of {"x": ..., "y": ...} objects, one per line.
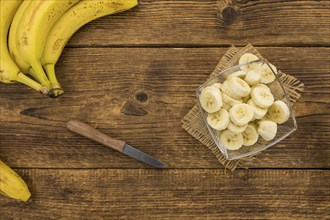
[{"x": 91, "y": 133}]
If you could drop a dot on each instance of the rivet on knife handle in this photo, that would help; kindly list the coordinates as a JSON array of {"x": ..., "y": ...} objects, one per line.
[{"x": 90, "y": 132}]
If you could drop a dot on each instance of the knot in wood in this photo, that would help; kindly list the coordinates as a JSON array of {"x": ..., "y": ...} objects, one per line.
[
  {"x": 229, "y": 14},
  {"x": 141, "y": 96}
]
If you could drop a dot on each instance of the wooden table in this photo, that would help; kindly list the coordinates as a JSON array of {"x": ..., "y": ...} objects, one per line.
[{"x": 133, "y": 76}]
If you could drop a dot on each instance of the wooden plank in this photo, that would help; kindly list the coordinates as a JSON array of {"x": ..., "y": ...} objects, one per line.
[
  {"x": 139, "y": 96},
  {"x": 172, "y": 194},
  {"x": 210, "y": 22}
]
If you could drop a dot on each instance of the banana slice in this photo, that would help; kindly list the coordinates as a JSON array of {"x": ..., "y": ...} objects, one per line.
[
  {"x": 240, "y": 74},
  {"x": 267, "y": 76},
  {"x": 246, "y": 98},
  {"x": 262, "y": 96},
  {"x": 218, "y": 120},
  {"x": 252, "y": 77},
  {"x": 239, "y": 86},
  {"x": 230, "y": 101},
  {"x": 229, "y": 92},
  {"x": 267, "y": 129},
  {"x": 231, "y": 141},
  {"x": 250, "y": 136},
  {"x": 247, "y": 58},
  {"x": 211, "y": 99},
  {"x": 241, "y": 114},
  {"x": 279, "y": 112},
  {"x": 236, "y": 128},
  {"x": 258, "y": 112},
  {"x": 226, "y": 106},
  {"x": 216, "y": 85},
  {"x": 260, "y": 85}
]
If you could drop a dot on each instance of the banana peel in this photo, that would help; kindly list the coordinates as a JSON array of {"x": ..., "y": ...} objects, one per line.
[{"x": 12, "y": 185}]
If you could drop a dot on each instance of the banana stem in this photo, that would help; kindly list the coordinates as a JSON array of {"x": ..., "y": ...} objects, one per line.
[
  {"x": 22, "y": 78},
  {"x": 38, "y": 73},
  {"x": 50, "y": 70},
  {"x": 56, "y": 90}
]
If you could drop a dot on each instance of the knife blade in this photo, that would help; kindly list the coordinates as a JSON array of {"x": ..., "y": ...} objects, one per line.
[{"x": 94, "y": 134}]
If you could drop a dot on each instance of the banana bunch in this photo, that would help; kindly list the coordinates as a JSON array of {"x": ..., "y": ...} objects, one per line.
[
  {"x": 243, "y": 108},
  {"x": 12, "y": 185},
  {"x": 37, "y": 32}
]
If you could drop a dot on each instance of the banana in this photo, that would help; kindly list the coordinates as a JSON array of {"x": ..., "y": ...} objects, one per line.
[
  {"x": 24, "y": 66},
  {"x": 262, "y": 96},
  {"x": 226, "y": 106},
  {"x": 239, "y": 86},
  {"x": 261, "y": 85},
  {"x": 279, "y": 112},
  {"x": 246, "y": 98},
  {"x": 230, "y": 101},
  {"x": 11, "y": 184},
  {"x": 9, "y": 71},
  {"x": 247, "y": 58},
  {"x": 216, "y": 85},
  {"x": 241, "y": 114},
  {"x": 240, "y": 74},
  {"x": 258, "y": 112},
  {"x": 236, "y": 128},
  {"x": 32, "y": 31},
  {"x": 77, "y": 16},
  {"x": 230, "y": 140},
  {"x": 252, "y": 77},
  {"x": 267, "y": 129},
  {"x": 211, "y": 99},
  {"x": 250, "y": 135},
  {"x": 228, "y": 91},
  {"x": 267, "y": 76},
  {"x": 218, "y": 120}
]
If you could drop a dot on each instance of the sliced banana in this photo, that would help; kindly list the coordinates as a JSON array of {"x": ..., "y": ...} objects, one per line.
[
  {"x": 258, "y": 112},
  {"x": 231, "y": 141},
  {"x": 226, "y": 106},
  {"x": 267, "y": 76},
  {"x": 252, "y": 77},
  {"x": 216, "y": 85},
  {"x": 262, "y": 96},
  {"x": 246, "y": 98},
  {"x": 229, "y": 92},
  {"x": 236, "y": 128},
  {"x": 211, "y": 99},
  {"x": 247, "y": 58},
  {"x": 260, "y": 85},
  {"x": 241, "y": 114},
  {"x": 239, "y": 86},
  {"x": 227, "y": 99},
  {"x": 279, "y": 112},
  {"x": 240, "y": 74},
  {"x": 250, "y": 136},
  {"x": 267, "y": 129},
  {"x": 218, "y": 120}
]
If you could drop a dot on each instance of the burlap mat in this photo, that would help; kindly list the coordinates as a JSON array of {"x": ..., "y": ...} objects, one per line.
[{"x": 193, "y": 122}]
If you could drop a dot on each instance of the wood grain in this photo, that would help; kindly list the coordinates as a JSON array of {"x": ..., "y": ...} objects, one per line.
[
  {"x": 172, "y": 194},
  {"x": 211, "y": 23},
  {"x": 139, "y": 95}
]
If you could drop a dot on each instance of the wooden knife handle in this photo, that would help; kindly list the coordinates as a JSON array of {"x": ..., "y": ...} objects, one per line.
[{"x": 91, "y": 133}]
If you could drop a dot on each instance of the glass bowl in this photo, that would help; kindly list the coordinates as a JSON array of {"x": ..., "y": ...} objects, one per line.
[{"x": 279, "y": 93}]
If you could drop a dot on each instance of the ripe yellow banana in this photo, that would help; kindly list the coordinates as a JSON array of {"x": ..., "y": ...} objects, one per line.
[
  {"x": 77, "y": 16},
  {"x": 12, "y": 185},
  {"x": 31, "y": 33},
  {"x": 9, "y": 71}
]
